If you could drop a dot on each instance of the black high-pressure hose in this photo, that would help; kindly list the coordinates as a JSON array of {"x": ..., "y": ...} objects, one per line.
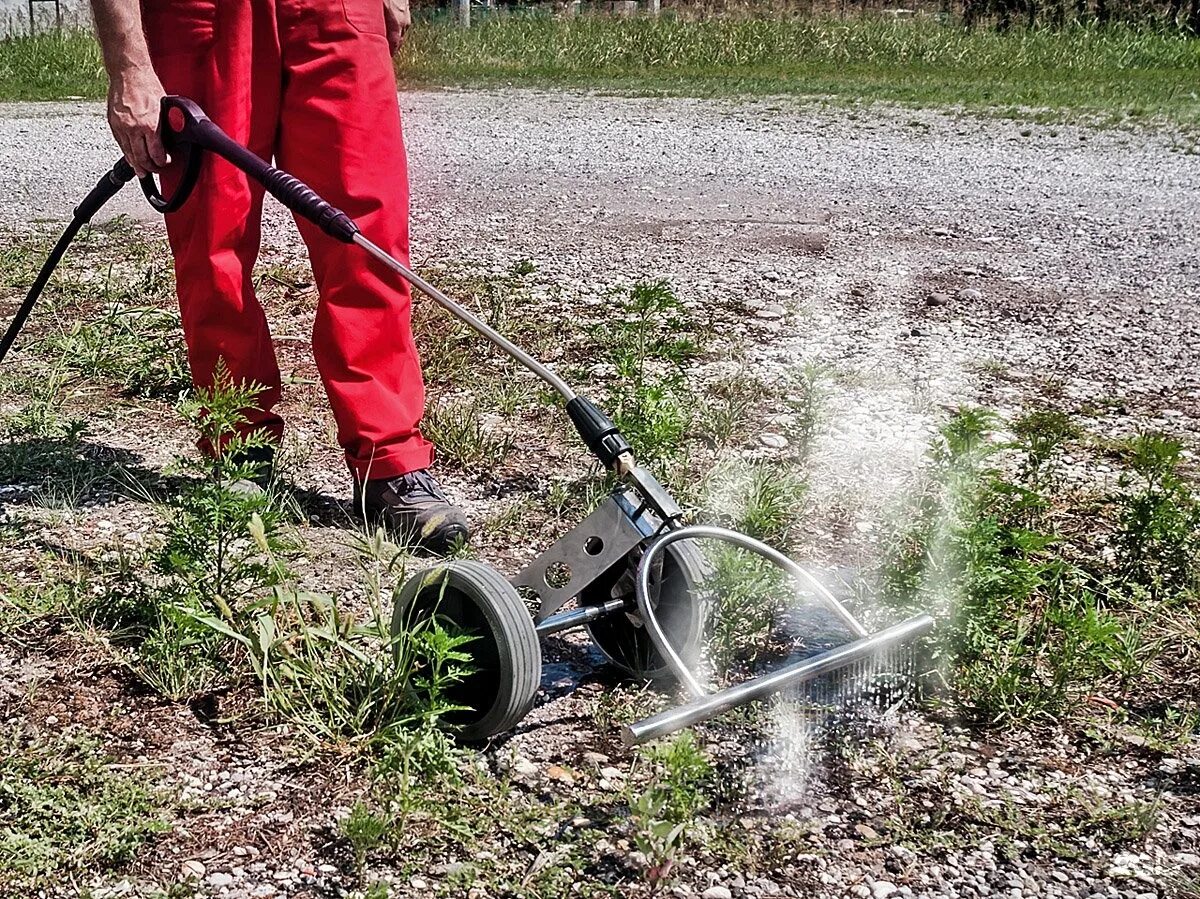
[
  {"x": 186, "y": 132},
  {"x": 106, "y": 188}
]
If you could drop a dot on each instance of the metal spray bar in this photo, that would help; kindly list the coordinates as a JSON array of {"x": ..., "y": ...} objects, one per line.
[{"x": 698, "y": 710}]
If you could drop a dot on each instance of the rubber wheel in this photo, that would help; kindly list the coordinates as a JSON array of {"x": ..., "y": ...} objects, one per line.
[
  {"x": 681, "y": 608},
  {"x": 473, "y": 599}
]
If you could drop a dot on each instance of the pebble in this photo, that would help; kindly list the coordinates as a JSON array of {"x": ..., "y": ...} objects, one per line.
[
  {"x": 525, "y": 768},
  {"x": 970, "y": 294},
  {"x": 219, "y": 879},
  {"x": 717, "y": 892},
  {"x": 937, "y": 299},
  {"x": 774, "y": 441},
  {"x": 191, "y": 870},
  {"x": 771, "y": 311}
]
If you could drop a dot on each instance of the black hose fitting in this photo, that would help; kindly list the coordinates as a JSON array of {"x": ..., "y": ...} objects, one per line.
[{"x": 598, "y": 431}]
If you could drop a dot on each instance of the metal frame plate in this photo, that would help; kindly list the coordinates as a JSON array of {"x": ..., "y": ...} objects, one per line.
[{"x": 589, "y": 549}]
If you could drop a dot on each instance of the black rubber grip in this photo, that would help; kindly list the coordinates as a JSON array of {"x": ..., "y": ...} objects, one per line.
[
  {"x": 183, "y": 122},
  {"x": 304, "y": 201}
]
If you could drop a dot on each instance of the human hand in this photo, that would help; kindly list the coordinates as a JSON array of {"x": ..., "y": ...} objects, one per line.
[
  {"x": 134, "y": 100},
  {"x": 398, "y": 18}
]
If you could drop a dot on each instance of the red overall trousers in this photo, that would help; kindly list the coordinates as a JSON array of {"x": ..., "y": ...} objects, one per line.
[{"x": 309, "y": 82}]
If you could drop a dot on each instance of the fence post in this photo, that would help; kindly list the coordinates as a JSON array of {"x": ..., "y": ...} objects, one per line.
[
  {"x": 462, "y": 13},
  {"x": 652, "y": 7}
]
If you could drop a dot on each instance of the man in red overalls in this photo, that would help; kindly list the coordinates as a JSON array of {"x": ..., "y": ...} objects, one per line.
[{"x": 311, "y": 83}]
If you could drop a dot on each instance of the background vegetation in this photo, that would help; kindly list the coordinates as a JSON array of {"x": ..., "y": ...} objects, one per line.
[{"x": 1125, "y": 68}]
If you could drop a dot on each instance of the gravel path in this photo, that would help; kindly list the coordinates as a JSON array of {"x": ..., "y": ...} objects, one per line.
[
  {"x": 1062, "y": 260},
  {"x": 922, "y": 259}
]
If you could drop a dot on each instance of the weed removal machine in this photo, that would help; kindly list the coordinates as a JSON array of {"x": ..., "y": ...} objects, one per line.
[{"x": 632, "y": 566}]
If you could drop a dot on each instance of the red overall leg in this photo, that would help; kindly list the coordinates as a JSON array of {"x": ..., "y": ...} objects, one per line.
[
  {"x": 340, "y": 133},
  {"x": 225, "y": 56}
]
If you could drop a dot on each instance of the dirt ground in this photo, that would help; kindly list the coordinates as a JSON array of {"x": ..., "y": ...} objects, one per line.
[{"x": 924, "y": 260}]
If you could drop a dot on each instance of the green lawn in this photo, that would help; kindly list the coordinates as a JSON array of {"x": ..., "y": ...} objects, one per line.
[{"x": 1114, "y": 73}]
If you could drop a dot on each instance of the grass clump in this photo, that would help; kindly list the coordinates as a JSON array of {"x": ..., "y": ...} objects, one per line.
[
  {"x": 457, "y": 430},
  {"x": 1115, "y": 71},
  {"x": 51, "y": 65},
  {"x": 65, "y": 812}
]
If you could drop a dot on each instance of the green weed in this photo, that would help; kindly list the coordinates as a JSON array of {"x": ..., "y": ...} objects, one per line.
[
  {"x": 66, "y": 811},
  {"x": 751, "y": 593},
  {"x": 1158, "y": 520},
  {"x": 663, "y": 814},
  {"x": 648, "y": 343},
  {"x": 1025, "y": 631},
  {"x": 363, "y": 830}
]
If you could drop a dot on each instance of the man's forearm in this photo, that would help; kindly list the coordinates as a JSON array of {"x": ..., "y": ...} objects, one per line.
[{"x": 122, "y": 40}]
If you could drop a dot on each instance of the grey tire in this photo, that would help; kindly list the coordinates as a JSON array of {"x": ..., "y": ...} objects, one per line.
[{"x": 473, "y": 599}]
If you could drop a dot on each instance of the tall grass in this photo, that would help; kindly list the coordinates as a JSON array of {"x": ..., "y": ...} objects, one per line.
[
  {"x": 1116, "y": 70},
  {"x": 1109, "y": 69},
  {"x": 51, "y": 65}
]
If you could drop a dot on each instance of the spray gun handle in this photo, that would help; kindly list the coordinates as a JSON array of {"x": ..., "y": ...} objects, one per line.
[
  {"x": 184, "y": 154},
  {"x": 186, "y": 129}
]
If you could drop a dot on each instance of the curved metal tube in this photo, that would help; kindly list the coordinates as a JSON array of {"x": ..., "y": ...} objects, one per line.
[{"x": 654, "y": 629}]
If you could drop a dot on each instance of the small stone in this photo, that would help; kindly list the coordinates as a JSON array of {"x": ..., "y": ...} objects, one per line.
[
  {"x": 417, "y": 883},
  {"x": 917, "y": 332},
  {"x": 717, "y": 892},
  {"x": 774, "y": 441},
  {"x": 611, "y": 773},
  {"x": 882, "y": 889},
  {"x": 970, "y": 294},
  {"x": 866, "y": 831},
  {"x": 937, "y": 299},
  {"x": 771, "y": 311},
  {"x": 1188, "y": 860},
  {"x": 525, "y": 768},
  {"x": 191, "y": 870},
  {"x": 561, "y": 774},
  {"x": 219, "y": 879}
]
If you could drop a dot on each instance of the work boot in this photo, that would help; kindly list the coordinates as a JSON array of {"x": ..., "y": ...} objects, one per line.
[
  {"x": 415, "y": 507},
  {"x": 263, "y": 460}
]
